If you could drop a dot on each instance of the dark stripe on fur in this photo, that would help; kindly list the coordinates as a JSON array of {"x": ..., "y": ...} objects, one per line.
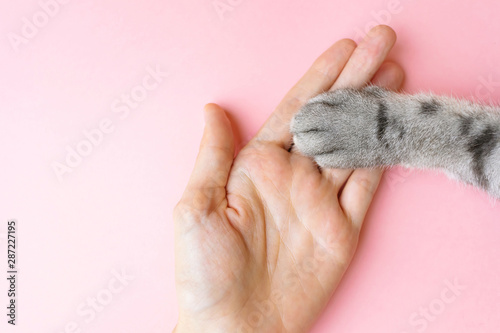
[
  {"x": 465, "y": 125},
  {"x": 480, "y": 147},
  {"x": 382, "y": 122},
  {"x": 430, "y": 108}
]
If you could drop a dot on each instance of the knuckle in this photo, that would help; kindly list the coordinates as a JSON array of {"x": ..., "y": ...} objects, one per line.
[{"x": 366, "y": 185}]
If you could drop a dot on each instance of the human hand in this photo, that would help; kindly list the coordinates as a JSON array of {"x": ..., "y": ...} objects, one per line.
[{"x": 262, "y": 240}]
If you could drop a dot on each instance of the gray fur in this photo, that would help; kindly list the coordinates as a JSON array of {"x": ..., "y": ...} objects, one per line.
[{"x": 373, "y": 127}]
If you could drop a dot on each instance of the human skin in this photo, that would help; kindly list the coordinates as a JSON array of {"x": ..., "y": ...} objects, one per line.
[{"x": 263, "y": 239}]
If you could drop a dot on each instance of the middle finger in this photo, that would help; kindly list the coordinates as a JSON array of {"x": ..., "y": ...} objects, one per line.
[{"x": 359, "y": 70}]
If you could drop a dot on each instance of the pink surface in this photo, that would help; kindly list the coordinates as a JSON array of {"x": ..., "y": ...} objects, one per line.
[{"x": 110, "y": 213}]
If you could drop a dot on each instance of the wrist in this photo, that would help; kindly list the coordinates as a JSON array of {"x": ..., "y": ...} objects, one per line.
[
  {"x": 184, "y": 326},
  {"x": 270, "y": 325}
]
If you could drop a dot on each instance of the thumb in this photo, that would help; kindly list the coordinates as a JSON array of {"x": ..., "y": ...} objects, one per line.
[{"x": 215, "y": 158}]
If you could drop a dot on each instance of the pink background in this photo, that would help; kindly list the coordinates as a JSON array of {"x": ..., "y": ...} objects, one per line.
[{"x": 112, "y": 213}]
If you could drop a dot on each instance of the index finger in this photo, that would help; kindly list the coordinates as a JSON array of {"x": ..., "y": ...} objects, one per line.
[{"x": 319, "y": 78}]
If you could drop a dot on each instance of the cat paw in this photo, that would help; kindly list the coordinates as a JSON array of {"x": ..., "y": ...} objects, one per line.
[{"x": 342, "y": 128}]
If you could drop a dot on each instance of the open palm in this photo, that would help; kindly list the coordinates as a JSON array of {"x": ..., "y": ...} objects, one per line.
[{"x": 263, "y": 239}]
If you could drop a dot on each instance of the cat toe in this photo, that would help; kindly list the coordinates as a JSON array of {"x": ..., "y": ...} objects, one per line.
[{"x": 315, "y": 142}]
